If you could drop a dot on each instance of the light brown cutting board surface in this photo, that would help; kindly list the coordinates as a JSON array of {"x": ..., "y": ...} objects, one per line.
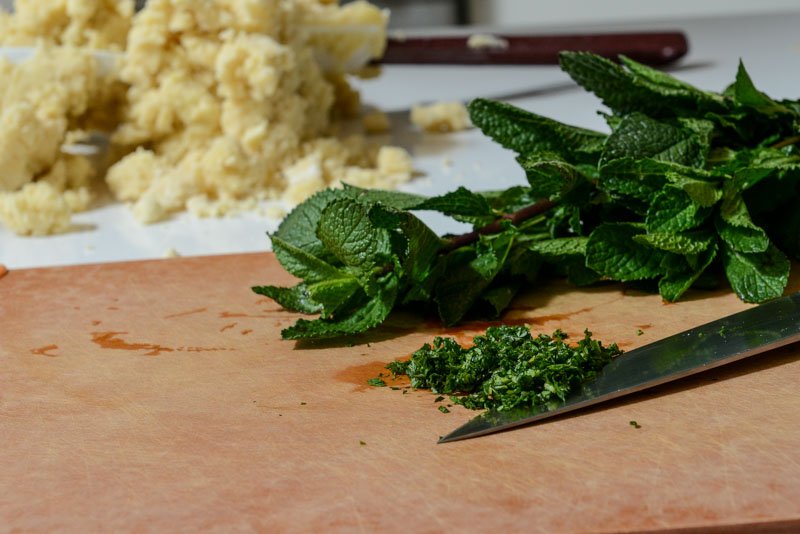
[{"x": 159, "y": 396}]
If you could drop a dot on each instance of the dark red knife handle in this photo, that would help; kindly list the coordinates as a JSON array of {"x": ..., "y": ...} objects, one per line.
[{"x": 652, "y": 48}]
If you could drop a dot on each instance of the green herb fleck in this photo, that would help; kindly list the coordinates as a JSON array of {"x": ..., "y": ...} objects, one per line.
[
  {"x": 507, "y": 367},
  {"x": 634, "y": 424},
  {"x": 444, "y": 409},
  {"x": 377, "y": 382},
  {"x": 639, "y": 331}
]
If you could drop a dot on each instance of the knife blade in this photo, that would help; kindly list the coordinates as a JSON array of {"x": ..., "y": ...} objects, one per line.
[{"x": 747, "y": 333}]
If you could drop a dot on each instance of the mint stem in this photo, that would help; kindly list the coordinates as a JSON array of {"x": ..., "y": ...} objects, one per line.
[
  {"x": 787, "y": 142},
  {"x": 496, "y": 226}
]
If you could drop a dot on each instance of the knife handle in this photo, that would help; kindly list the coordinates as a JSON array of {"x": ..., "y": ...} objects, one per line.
[{"x": 651, "y": 48}]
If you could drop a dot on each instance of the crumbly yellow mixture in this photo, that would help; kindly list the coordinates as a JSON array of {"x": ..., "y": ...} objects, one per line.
[
  {"x": 441, "y": 117},
  {"x": 43, "y": 104},
  {"x": 227, "y": 104},
  {"x": 99, "y": 24}
]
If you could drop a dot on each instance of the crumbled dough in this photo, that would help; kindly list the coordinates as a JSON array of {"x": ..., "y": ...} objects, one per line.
[
  {"x": 375, "y": 122},
  {"x": 171, "y": 253},
  {"x": 260, "y": 104},
  {"x": 99, "y": 24},
  {"x": 480, "y": 41},
  {"x": 394, "y": 160},
  {"x": 42, "y": 104},
  {"x": 217, "y": 105},
  {"x": 441, "y": 117},
  {"x": 36, "y": 209}
]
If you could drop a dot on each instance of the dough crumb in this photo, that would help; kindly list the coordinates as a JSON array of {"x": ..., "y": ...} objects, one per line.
[
  {"x": 482, "y": 41},
  {"x": 441, "y": 117}
]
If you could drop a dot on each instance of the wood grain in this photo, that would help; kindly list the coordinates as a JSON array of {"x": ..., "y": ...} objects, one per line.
[{"x": 158, "y": 396}]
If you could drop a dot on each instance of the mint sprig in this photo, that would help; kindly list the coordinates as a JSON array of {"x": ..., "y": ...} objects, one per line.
[{"x": 688, "y": 188}]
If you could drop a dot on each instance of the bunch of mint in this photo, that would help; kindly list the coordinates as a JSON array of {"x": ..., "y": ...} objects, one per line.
[{"x": 687, "y": 186}]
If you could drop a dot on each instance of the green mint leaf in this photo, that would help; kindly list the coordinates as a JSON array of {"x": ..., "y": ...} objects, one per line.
[
  {"x": 416, "y": 246},
  {"x": 511, "y": 199},
  {"x": 501, "y": 296},
  {"x": 301, "y": 263},
  {"x": 673, "y": 210},
  {"x": 633, "y": 87},
  {"x": 559, "y": 249},
  {"x": 756, "y": 277},
  {"x": 295, "y": 298},
  {"x": 468, "y": 274},
  {"x": 391, "y": 199},
  {"x": 362, "y": 318},
  {"x": 347, "y": 232},
  {"x": 634, "y": 182},
  {"x": 524, "y": 263},
  {"x": 703, "y": 193},
  {"x": 299, "y": 228},
  {"x": 735, "y": 226},
  {"x": 334, "y": 294},
  {"x": 613, "y": 252},
  {"x": 525, "y": 132},
  {"x": 676, "y": 282},
  {"x": 678, "y": 243},
  {"x": 638, "y": 136},
  {"x": 461, "y": 204},
  {"x": 746, "y": 94},
  {"x": 750, "y": 166},
  {"x": 549, "y": 175}
]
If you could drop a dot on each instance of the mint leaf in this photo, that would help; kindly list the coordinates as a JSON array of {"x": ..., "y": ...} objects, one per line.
[
  {"x": 334, "y": 294},
  {"x": 461, "y": 204},
  {"x": 673, "y": 210},
  {"x": 525, "y": 132},
  {"x": 633, "y": 87},
  {"x": 613, "y": 252},
  {"x": 703, "y": 193},
  {"x": 500, "y": 297},
  {"x": 346, "y": 231},
  {"x": 750, "y": 167},
  {"x": 301, "y": 263},
  {"x": 559, "y": 249},
  {"x": 756, "y": 277},
  {"x": 746, "y": 94},
  {"x": 292, "y": 298},
  {"x": 735, "y": 226},
  {"x": 638, "y": 136},
  {"x": 549, "y": 175},
  {"x": 362, "y": 318},
  {"x": 467, "y": 277},
  {"x": 391, "y": 199},
  {"x": 676, "y": 282},
  {"x": 299, "y": 228},
  {"x": 678, "y": 243}
]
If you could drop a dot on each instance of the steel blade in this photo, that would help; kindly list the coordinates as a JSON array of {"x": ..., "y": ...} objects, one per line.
[{"x": 753, "y": 331}]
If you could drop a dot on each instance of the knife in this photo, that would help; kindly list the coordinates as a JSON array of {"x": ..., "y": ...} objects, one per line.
[
  {"x": 651, "y": 48},
  {"x": 747, "y": 333}
]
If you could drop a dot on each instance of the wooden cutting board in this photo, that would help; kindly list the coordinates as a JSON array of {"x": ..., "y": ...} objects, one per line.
[{"x": 158, "y": 396}]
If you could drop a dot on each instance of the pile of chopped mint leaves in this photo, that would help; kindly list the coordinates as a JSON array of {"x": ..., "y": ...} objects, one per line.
[
  {"x": 506, "y": 368},
  {"x": 690, "y": 187}
]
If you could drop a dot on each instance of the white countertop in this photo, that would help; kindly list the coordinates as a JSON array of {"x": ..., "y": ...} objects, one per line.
[{"x": 769, "y": 45}]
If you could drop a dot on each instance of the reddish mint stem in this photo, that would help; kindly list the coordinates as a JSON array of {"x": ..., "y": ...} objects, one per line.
[{"x": 497, "y": 226}]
